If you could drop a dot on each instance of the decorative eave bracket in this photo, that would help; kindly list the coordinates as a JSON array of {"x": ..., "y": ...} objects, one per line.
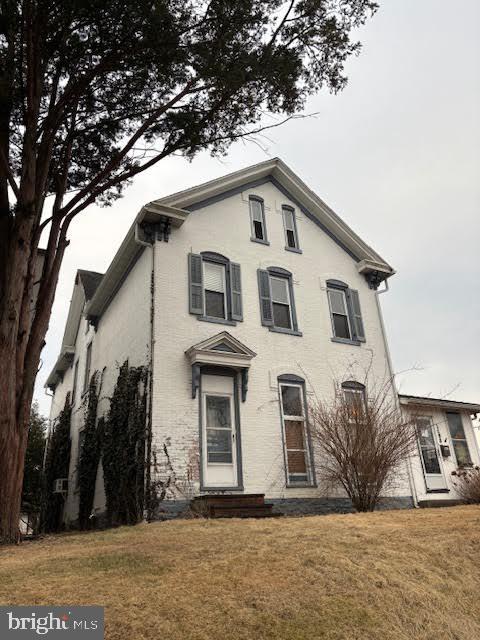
[{"x": 375, "y": 272}]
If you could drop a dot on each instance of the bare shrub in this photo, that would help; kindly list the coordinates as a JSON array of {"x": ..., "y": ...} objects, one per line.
[
  {"x": 362, "y": 438},
  {"x": 467, "y": 484}
]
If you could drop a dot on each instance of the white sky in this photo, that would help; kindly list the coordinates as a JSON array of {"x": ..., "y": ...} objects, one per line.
[{"x": 397, "y": 156}]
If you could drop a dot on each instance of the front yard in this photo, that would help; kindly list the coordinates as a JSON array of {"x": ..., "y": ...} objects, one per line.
[{"x": 387, "y": 576}]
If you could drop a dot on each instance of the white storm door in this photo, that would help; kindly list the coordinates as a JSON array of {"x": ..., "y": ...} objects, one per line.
[
  {"x": 429, "y": 453},
  {"x": 219, "y": 452}
]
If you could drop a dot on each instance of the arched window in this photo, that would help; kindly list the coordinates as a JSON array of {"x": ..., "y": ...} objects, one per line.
[
  {"x": 215, "y": 288},
  {"x": 354, "y": 394},
  {"x": 257, "y": 220},
  {"x": 345, "y": 312},
  {"x": 290, "y": 227},
  {"x": 277, "y": 301},
  {"x": 296, "y": 441}
]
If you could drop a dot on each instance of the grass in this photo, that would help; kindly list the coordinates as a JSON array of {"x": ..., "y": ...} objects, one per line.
[{"x": 394, "y": 575}]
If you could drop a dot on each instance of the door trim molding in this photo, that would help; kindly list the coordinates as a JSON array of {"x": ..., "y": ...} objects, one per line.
[{"x": 221, "y": 371}]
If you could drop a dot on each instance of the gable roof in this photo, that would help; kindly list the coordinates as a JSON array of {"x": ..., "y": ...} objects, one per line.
[
  {"x": 90, "y": 281},
  {"x": 289, "y": 183},
  {"x": 176, "y": 208}
]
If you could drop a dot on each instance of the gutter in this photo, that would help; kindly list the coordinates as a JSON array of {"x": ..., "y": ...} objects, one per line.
[
  {"x": 148, "y": 451},
  {"x": 397, "y": 400}
]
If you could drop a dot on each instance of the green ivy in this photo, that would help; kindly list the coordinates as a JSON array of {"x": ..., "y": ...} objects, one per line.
[
  {"x": 124, "y": 447},
  {"x": 89, "y": 454},
  {"x": 57, "y": 466}
]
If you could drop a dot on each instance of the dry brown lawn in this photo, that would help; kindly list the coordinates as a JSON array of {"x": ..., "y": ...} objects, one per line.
[{"x": 387, "y": 576}]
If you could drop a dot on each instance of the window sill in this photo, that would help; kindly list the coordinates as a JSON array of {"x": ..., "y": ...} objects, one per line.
[
  {"x": 438, "y": 491},
  {"x": 301, "y": 485},
  {"x": 216, "y": 489},
  {"x": 289, "y": 332},
  {"x": 257, "y": 240},
  {"x": 293, "y": 250},
  {"x": 355, "y": 343},
  {"x": 230, "y": 323}
]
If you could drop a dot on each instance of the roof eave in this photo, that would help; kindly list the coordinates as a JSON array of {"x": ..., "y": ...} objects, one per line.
[
  {"x": 309, "y": 200},
  {"x": 63, "y": 362},
  {"x": 417, "y": 401},
  {"x": 132, "y": 245}
]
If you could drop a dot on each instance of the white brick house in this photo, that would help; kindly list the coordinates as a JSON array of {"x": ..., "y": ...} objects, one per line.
[{"x": 248, "y": 294}]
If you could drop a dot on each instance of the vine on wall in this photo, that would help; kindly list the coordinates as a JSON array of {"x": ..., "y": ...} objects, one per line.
[
  {"x": 90, "y": 453},
  {"x": 57, "y": 466},
  {"x": 124, "y": 447}
]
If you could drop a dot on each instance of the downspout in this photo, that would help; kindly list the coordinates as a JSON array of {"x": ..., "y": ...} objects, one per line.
[
  {"x": 392, "y": 377},
  {"x": 148, "y": 452}
]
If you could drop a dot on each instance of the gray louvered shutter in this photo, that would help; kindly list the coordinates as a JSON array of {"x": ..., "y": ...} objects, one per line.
[
  {"x": 266, "y": 310},
  {"x": 236, "y": 291},
  {"x": 356, "y": 315},
  {"x": 195, "y": 284}
]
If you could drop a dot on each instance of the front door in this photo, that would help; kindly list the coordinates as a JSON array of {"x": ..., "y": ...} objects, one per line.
[
  {"x": 429, "y": 452},
  {"x": 219, "y": 452}
]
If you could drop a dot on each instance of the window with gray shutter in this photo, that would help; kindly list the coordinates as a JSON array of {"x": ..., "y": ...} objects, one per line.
[
  {"x": 236, "y": 291},
  {"x": 195, "y": 283},
  {"x": 266, "y": 311},
  {"x": 345, "y": 312},
  {"x": 215, "y": 288}
]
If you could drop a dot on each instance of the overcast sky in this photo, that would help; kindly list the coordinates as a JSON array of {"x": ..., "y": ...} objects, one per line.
[{"x": 397, "y": 156}]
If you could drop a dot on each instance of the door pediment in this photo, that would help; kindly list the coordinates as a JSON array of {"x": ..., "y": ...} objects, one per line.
[{"x": 223, "y": 350}]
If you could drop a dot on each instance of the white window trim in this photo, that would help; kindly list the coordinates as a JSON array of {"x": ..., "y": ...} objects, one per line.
[
  {"x": 306, "y": 450},
  {"x": 464, "y": 439},
  {"x": 346, "y": 314},
  {"x": 287, "y": 287},
  {"x": 293, "y": 227},
  {"x": 262, "y": 220},
  {"x": 224, "y": 284}
]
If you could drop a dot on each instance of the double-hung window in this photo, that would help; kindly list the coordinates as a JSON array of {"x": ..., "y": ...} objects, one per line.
[
  {"x": 257, "y": 220},
  {"x": 214, "y": 279},
  {"x": 282, "y": 308},
  {"x": 75, "y": 382},
  {"x": 295, "y": 435},
  {"x": 354, "y": 395},
  {"x": 345, "y": 312},
  {"x": 215, "y": 288},
  {"x": 459, "y": 440},
  {"x": 277, "y": 305},
  {"x": 88, "y": 364},
  {"x": 290, "y": 226}
]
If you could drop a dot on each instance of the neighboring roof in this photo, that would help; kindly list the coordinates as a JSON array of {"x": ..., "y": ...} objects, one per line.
[
  {"x": 90, "y": 281},
  {"x": 86, "y": 283},
  {"x": 177, "y": 207},
  {"x": 439, "y": 402}
]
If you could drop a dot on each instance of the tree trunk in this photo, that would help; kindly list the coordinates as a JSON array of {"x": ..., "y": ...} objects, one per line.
[
  {"x": 22, "y": 337},
  {"x": 12, "y": 456}
]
